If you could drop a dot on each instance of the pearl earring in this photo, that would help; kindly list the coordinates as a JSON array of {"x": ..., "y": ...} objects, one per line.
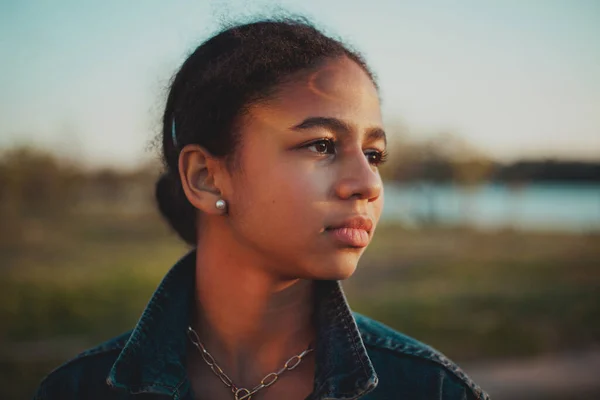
[{"x": 220, "y": 204}]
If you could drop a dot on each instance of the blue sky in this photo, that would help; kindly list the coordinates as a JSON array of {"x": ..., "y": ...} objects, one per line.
[{"x": 514, "y": 78}]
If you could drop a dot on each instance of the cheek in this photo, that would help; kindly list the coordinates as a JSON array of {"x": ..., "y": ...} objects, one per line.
[
  {"x": 284, "y": 196},
  {"x": 289, "y": 190},
  {"x": 276, "y": 175}
]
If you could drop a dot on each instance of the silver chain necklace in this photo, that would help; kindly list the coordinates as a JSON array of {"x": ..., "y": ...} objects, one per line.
[{"x": 243, "y": 393}]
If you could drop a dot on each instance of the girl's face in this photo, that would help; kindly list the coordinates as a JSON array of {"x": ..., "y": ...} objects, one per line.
[{"x": 309, "y": 159}]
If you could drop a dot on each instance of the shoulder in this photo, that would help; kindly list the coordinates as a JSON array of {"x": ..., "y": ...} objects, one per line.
[
  {"x": 394, "y": 353},
  {"x": 84, "y": 374}
]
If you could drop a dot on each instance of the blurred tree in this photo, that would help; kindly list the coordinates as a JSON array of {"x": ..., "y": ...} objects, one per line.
[
  {"x": 33, "y": 183},
  {"x": 34, "y": 186},
  {"x": 442, "y": 158},
  {"x": 469, "y": 168}
]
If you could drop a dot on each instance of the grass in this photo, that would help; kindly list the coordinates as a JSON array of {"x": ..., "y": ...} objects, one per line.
[
  {"x": 480, "y": 295},
  {"x": 69, "y": 284}
]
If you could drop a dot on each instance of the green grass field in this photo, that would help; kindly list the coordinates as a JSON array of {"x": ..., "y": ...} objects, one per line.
[{"x": 69, "y": 284}]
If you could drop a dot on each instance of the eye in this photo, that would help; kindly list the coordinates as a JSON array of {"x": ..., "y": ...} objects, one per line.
[
  {"x": 376, "y": 157},
  {"x": 322, "y": 146}
]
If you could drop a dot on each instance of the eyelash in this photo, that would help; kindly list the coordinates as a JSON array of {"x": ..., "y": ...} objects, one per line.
[{"x": 381, "y": 155}]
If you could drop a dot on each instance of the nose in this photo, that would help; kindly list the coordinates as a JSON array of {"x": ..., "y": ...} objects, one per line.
[{"x": 358, "y": 179}]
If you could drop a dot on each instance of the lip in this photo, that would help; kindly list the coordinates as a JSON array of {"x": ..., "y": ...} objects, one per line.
[
  {"x": 353, "y": 232},
  {"x": 355, "y": 222}
]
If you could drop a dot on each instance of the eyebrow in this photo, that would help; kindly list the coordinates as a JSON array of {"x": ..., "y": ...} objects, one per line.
[{"x": 338, "y": 126}]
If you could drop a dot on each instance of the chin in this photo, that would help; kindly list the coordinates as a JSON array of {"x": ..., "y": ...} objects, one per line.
[{"x": 340, "y": 267}]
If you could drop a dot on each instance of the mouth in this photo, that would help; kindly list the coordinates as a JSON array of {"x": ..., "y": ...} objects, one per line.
[
  {"x": 351, "y": 232},
  {"x": 349, "y": 237}
]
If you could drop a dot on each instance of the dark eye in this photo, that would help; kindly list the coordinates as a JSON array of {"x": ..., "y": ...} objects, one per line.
[
  {"x": 376, "y": 157},
  {"x": 322, "y": 146}
]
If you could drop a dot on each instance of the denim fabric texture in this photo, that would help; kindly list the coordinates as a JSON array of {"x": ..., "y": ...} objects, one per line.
[{"x": 356, "y": 357}]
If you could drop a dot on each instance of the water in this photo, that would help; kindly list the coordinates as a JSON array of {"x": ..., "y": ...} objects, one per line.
[{"x": 568, "y": 207}]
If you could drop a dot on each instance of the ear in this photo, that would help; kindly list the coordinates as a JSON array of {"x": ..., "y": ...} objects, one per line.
[{"x": 198, "y": 170}]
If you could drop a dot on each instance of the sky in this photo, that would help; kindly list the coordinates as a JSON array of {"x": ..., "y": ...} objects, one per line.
[{"x": 514, "y": 78}]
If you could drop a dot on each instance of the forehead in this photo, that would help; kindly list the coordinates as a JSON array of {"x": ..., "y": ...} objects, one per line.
[{"x": 338, "y": 88}]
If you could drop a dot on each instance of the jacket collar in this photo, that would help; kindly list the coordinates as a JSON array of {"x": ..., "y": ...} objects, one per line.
[
  {"x": 343, "y": 368},
  {"x": 153, "y": 359}
]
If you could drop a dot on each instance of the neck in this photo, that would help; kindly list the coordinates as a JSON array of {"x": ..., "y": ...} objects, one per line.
[{"x": 250, "y": 320}]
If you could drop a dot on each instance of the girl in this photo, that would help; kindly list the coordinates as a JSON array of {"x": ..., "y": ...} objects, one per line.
[{"x": 272, "y": 138}]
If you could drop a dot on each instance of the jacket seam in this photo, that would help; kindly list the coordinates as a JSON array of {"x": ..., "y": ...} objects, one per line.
[
  {"x": 134, "y": 338},
  {"x": 349, "y": 320},
  {"x": 347, "y": 326},
  {"x": 339, "y": 313}
]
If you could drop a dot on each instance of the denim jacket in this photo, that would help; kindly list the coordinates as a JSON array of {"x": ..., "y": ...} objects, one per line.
[{"x": 356, "y": 357}]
